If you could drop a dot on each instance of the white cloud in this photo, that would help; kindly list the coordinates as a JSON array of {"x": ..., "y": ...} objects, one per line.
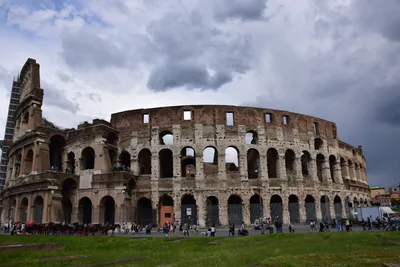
[{"x": 333, "y": 59}]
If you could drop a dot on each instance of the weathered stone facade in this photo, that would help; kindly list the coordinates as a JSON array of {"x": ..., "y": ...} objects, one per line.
[{"x": 201, "y": 164}]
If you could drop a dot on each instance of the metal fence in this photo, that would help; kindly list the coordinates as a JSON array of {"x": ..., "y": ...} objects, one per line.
[
  {"x": 294, "y": 212},
  {"x": 189, "y": 214},
  {"x": 212, "y": 216},
  {"x": 338, "y": 210},
  {"x": 235, "y": 215},
  {"x": 256, "y": 211},
  {"x": 276, "y": 211},
  {"x": 311, "y": 212}
]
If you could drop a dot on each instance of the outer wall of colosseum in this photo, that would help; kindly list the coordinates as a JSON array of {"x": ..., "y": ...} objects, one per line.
[{"x": 197, "y": 164}]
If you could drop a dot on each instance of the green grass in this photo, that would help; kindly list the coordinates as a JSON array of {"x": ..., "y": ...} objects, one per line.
[{"x": 322, "y": 249}]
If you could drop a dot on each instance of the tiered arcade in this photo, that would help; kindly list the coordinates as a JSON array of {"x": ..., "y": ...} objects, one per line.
[{"x": 200, "y": 164}]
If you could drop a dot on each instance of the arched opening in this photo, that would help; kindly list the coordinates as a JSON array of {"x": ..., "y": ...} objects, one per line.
[
  {"x": 276, "y": 208},
  {"x": 112, "y": 139},
  {"x": 166, "y": 163},
  {"x": 112, "y": 155},
  {"x": 294, "y": 209},
  {"x": 212, "y": 216},
  {"x": 56, "y": 147},
  {"x": 166, "y": 138},
  {"x": 145, "y": 161},
  {"x": 28, "y": 162},
  {"x": 144, "y": 211},
  {"x": 107, "y": 206},
  {"x": 337, "y": 202},
  {"x": 311, "y": 212},
  {"x": 69, "y": 187},
  {"x": 305, "y": 163},
  {"x": 332, "y": 167},
  {"x": 290, "y": 161},
  {"x": 320, "y": 165},
  {"x": 11, "y": 210},
  {"x": 235, "y": 215},
  {"x": 88, "y": 156},
  {"x": 251, "y": 138},
  {"x": 70, "y": 163},
  {"x": 351, "y": 169},
  {"x": 232, "y": 159},
  {"x": 25, "y": 118},
  {"x": 272, "y": 163},
  {"x": 188, "y": 210},
  {"x": 125, "y": 160},
  {"x": 23, "y": 210},
  {"x": 355, "y": 205},
  {"x": 256, "y": 208},
  {"x": 348, "y": 206},
  {"x": 85, "y": 210},
  {"x": 210, "y": 160},
  {"x": 318, "y": 143},
  {"x": 343, "y": 168},
  {"x": 18, "y": 161},
  {"x": 38, "y": 210},
  {"x": 253, "y": 163},
  {"x": 188, "y": 162},
  {"x": 325, "y": 209},
  {"x": 356, "y": 172},
  {"x": 166, "y": 210}
]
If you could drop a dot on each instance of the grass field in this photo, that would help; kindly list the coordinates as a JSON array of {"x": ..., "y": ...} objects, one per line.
[{"x": 322, "y": 249}]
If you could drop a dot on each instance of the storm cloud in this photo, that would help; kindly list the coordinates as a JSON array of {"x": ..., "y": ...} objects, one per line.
[{"x": 337, "y": 60}]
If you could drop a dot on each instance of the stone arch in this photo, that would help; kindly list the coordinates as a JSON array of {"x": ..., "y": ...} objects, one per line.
[
  {"x": 107, "y": 209},
  {"x": 325, "y": 208},
  {"x": 56, "y": 147},
  {"x": 144, "y": 159},
  {"x": 320, "y": 165},
  {"x": 144, "y": 211},
  {"x": 71, "y": 163},
  {"x": 38, "y": 205},
  {"x": 188, "y": 162},
  {"x": 166, "y": 138},
  {"x": 125, "y": 159},
  {"x": 294, "y": 209},
  {"x": 85, "y": 210},
  {"x": 88, "y": 158},
  {"x": 232, "y": 159},
  {"x": 318, "y": 143},
  {"x": 28, "y": 161},
  {"x": 235, "y": 212},
  {"x": 337, "y": 203},
  {"x": 69, "y": 187},
  {"x": 332, "y": 167},
  {"x": 166, "y": 207},
  {"x": 272, "y": 163},
  {"x": 23, "y": 210},
  {"x": 276, "y": 206},
  {"x": 256, "y": 208},
  {"x": 188, "y": 210},
  {"x": 290, "y": 164},
  {"x": 166, "y": 160},
  {"x": 305, "y": 163},
  {"x": 251, "y": 137},
  {"x": 343, "y": 168},
  {"x": 253, "y": 163},
  {"x": 311, "y": 212},
  {"x": 210, "y": 160},
  {"x": 212, "y": 216}
]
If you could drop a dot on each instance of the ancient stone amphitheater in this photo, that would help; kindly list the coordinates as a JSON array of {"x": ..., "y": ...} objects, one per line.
[{"x": 199, "y": 164}]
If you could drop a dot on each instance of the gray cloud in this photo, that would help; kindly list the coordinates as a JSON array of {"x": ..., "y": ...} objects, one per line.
[
  {"x": 56, "y": 98},
  {"x": 245, "y": 10}
]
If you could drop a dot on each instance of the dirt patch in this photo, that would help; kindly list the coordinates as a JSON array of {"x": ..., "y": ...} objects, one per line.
[
  {"x": 26, "y": 246},
  {"x": 215, "y": 242},
  {"x": 110, "y": 263},
  {"x": 174, "y": 240}
]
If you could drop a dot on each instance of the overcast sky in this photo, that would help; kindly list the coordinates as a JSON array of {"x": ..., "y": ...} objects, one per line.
[{"x": 336, "y": 59}]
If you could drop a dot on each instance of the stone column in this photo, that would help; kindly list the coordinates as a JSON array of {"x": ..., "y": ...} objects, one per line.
[
  {"x": 297, "y": 169},
  {"x": 177, "y": 166},
  {"x": 326, "y": 172},
  {"x": 223, "y": 211},
  {"x": 155, "y": 166},
  {"x": 201, "y": 217},
  {"x": 199, "y": 166},
  {"x": 221, "y": 166},
  {"x": 22, "y": 166},
  {"x": 267, "y": 208},
  {"x": 243, "y": 167},
  {"x": 46, "y": 207},
  {"x": 313, "y": 170},
  {"x": 332, "y": 208},
  {"x": 318, "y": 212},
  {"x": 281, "y": 167},
  {"x": 263, "y": 170},
  {"x": 155, "y": 202},
  {"x": 30, "y": 208},
  {"x": 285, "y": 209},
  {"x": 75, "y": 214},
  {"x": 246, "y": 211},
  {"x": 302, "y": 210},
  {"x": 96, "y": 214},
  {"x": 337, "y": 171}
]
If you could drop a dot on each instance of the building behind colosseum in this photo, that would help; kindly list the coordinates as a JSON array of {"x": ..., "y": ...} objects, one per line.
[{"x": 199, "y": 164}]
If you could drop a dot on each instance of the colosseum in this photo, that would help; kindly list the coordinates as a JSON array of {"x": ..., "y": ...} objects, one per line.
[{"x": 199, "y": 164}]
